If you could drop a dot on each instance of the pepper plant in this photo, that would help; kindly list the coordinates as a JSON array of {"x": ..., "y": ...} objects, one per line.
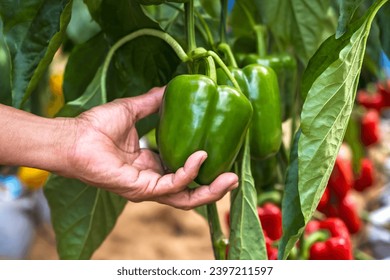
[{"x": 317, "y": 50}]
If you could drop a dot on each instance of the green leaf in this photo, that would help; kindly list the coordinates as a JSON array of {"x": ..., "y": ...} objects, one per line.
[
  {"x": 325, "y": 115},
  {"x": 384, "y": 26},
  {"x": 244, "y": 16},
  {"x": 293, "y": 220},
  {"x": 82, "y": 216},
  {"x": 297, "y": 23},
  {"x": 5, "y": 70},
  {"x": 81, "y": 27},
  {"x": 90, "y": 98},
  {"x": 34, "y": 31},
  {"x": 212, "y": 7},
  {"x": 94, "y": 51},
  {"x": 347, "y": 10},
  {"x": 246, "y": 239}
]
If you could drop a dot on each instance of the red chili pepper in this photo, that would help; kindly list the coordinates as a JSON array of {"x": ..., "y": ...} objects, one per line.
[
  {"x": 369, "y": 128},
  {"x": 366, "y": 176},
  {"x": 271, "y": 220},
  {"x": 337, "y": 247},
  {"x": 370, "y": 101},
  {"x": 341, "y": 178}
]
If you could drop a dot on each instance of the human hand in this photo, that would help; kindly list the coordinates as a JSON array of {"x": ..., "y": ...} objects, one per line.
[{"x": 106, "y": 153}]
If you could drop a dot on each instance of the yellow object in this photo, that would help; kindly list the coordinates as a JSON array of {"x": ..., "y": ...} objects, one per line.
[
  {"x": 32, "y": 178},
  {"x": 57, "y": 97}
]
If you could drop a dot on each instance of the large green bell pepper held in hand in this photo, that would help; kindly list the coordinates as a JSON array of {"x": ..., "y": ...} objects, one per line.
[
  {"x": 197, "y": 114},
  {"x": 259, "y": 83}
]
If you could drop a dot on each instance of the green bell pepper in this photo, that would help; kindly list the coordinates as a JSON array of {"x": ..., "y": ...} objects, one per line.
[
  {"x": 285, "y": 67},
  {"x": 259, "y": 84},
  {"x": 197, "y": 114}
]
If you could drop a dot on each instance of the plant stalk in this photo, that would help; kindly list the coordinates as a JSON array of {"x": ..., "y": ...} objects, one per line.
[
  {"x": 218, "y": 240},
  {"x": 190, "y": 25},
  {"x": 223, "y": 23}
]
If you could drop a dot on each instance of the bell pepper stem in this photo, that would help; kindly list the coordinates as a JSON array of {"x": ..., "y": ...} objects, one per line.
[
  {"x": 260, "y": 40},
  {"x": 227, "y": 51},
  {"x": 219, "y": 61},
  {"x": 210, "y": 68},
  {"x": 190, "y": 24},
  {"x": 218, "y": 240},
  {"x": 141, "y": 32}
]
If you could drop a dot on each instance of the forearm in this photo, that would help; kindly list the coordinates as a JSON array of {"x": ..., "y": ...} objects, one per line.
[{"x": 30, "y": 140}]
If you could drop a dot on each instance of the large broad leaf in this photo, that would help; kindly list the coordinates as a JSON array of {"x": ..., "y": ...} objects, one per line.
[
  {"x": 384, "y": 27},
  {"x": 82, "y": 216},
  {"x": 94, "y": 51},
  {"x": 347, "y": 9},
  {"x": 245, "y": 15},
  {"x": 5, "y": 70},
  {"x": 246, "y": 239},
  {"x": 331, "y": 80},
  {"x": 34, "y": 31},
  {"x": 300, "y": 23}
]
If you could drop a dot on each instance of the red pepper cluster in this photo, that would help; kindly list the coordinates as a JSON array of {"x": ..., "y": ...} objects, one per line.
[
  {"x": 374, "y": 103},
  {"x": 338, "y": 199},
  {"x": 377, "y": 100}
]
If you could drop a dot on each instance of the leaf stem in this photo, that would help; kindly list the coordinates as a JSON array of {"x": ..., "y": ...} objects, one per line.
[
  {"x": 223, "y": 23},
  {"x": 190, "y": 25},
  {"x": 218, "y": 239},
  {"x": 141, "y": 32},
  {"x": 227, "y": 51}
]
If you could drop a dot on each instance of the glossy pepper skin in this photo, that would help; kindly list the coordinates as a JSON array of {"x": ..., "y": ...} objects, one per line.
[
  {"x": 197, "y": 114},
  {"x": 337, "y": 247},
  {"x": 369, "y": 128},
  {"x": 259, "y": 84},
  {"x": 270, "y": 217},
  {"x": 285, "y": 67}
]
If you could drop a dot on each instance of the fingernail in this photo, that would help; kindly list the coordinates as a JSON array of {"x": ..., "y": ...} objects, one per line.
[
  {"x": 203, "y": 158},
  {"x": 234, "y": 186}
]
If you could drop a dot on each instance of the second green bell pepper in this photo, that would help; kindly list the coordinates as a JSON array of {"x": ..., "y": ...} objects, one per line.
[
  {"x": 285, "y": 67},
  {"x": 259, "y": 83}
]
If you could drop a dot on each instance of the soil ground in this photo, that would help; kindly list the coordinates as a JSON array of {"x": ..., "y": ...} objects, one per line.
[{"x": 146, "y": 231}]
